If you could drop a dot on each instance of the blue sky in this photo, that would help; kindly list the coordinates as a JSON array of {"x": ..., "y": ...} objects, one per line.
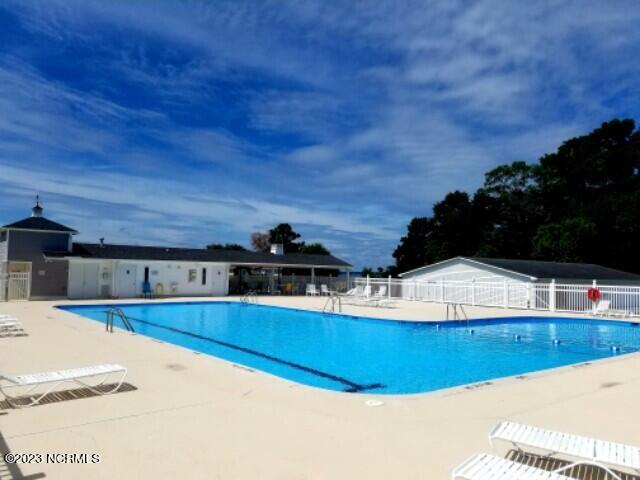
[{"x": 184, "y": 123}]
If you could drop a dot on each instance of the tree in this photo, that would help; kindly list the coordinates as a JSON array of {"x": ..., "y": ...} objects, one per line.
[
  {"x": 226, "y": 246},
  {"x": 565, "y": 241},
  {"x": 260, "y": 242},
  {"x": 411, "y": 252},
  {"x": 314, "y": 248},
  {"x": 512, "y": 212},
  {"x": 579, "y": 204},
  {"x": 285, "y": 235},
  {"x": 377, "y": 273}
]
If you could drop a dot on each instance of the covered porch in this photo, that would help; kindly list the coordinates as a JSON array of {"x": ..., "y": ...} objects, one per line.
[{"x": 281, "y": 280}]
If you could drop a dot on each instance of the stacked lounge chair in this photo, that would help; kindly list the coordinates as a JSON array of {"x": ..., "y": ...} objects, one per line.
[{"x": 578, "y": 449}]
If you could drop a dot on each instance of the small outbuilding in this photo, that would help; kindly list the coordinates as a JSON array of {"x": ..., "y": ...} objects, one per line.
[{"x": 468, "y": 269}]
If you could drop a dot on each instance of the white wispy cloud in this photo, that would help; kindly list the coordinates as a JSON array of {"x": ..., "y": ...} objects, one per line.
[{"x": 189, "y": 120}]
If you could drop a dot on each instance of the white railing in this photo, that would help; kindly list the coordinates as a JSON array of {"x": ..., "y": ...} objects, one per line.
[
  {"x": 614, "y": 299},
  {"x": 15, "y": 286}
]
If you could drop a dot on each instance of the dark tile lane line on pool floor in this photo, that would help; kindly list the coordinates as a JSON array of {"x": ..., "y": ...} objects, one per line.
[{"x": 351, "y": 387}]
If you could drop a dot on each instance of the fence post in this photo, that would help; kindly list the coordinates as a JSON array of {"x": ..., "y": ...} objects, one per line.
[
  {"x": 389, "y": 287},
  {"x": 552, "y": 295},
  {"x": 473, "y": 291},
  {"x": 505, "y": 296},
  {"x": 442, "y": 290},
  {"x": 528, "y": 294}
]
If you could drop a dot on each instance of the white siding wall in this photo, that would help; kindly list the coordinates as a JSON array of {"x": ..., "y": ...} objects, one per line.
[
  {"x": 489, "y": 285},
  {"x": 98, "y": 279},
  {"x": 460, "y": 271}
]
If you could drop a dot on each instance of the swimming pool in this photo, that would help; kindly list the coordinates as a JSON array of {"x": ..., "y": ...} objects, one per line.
[{"x": 357, "y": 354}]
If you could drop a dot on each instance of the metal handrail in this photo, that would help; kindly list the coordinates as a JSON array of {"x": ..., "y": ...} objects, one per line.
[
  {"x": 333, "y": 300},
  {"x": 117, "y": 312},
  {"x": 249, "y": 297},
  {"x": 458, "y": 313}
]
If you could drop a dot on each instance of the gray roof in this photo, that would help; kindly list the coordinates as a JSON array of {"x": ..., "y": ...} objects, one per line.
[
  {"x": 39, "y": 223},
  {"x": 564, "y": 270},
  {"x": 135, "y": 252}
]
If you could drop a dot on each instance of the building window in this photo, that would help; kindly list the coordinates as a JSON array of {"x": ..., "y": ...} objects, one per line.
[
  {"x": 192, "y": 275},
  {"x": 204, "y": 276}
]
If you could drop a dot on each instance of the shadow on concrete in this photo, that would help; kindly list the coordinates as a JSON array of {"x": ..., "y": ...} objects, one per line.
[
  {"x": 65, "y": 395},
  {"x": 12, "y": 471},
  {"x": 12, "y": 333},
  {"x": 579, "y": 472}
]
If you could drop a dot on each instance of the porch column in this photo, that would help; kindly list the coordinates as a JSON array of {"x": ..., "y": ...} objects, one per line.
[{"x": 313, "y": 275}]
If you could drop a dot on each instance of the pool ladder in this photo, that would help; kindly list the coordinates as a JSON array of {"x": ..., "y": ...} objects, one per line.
[
  {"x": 250, "y": 297},
  {"x": 114, "y": 312},
  {"x": 457, "y": 313},
  {"x": 330, "y": 305}
]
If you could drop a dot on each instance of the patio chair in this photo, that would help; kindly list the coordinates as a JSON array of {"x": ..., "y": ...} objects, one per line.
[
  {"x": 484, "y": 466},
  {"x": 604, "y": 308},
  {"x": 147, "y": 292},
  {"x": 381, "y": 297},
  {"x": 9, "y": 322},
  {"x": 311, "y": 290},
  {"x": 51, "y": 380},
  {"x": 584, "y": 450},
  {"x": 351, "y": 296},
  {"x": 324, "y": 290}
]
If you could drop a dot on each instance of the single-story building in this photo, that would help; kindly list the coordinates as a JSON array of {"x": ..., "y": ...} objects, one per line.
[
  {"x": 39, "y": 259},
  {"x": 467, "y": 269},
  {"x": 516, "y": 283}
]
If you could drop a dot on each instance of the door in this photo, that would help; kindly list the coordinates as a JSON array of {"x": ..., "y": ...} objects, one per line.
[
  {"x": 218, "y": 279},
  {"x": 83, "y": 280},
  {"x": 90, "y": 280},
  {"x": 127, "y": 286}
]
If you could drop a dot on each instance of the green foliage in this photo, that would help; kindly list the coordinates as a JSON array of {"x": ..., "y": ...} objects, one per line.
[
  {"x": 284, "y": 234},
  {"x": 377, "y": 273},
  {"x": 314, "y": 248},
  {"x": 578, "y": 204},
  {"x": 226, "y": 246}
]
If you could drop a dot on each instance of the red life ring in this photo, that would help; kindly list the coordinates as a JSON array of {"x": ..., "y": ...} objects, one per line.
[{"x": 593, "y": 294}]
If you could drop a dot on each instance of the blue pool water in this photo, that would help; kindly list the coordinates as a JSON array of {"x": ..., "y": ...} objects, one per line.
[{"x": 356, "y": 354}]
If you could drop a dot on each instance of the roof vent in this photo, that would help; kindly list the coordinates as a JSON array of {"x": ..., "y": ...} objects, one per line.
[
  {"x": 277, "y": 249},
  {"x": 36, "y": 211}
]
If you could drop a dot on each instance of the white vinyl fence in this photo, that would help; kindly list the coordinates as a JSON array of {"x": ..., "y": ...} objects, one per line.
[
  {"x": 614, "y": 299},
  {"x": 15, "y": 286}
]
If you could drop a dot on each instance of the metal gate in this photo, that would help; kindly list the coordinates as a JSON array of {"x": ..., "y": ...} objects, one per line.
[{"x": 15, "y": 286}]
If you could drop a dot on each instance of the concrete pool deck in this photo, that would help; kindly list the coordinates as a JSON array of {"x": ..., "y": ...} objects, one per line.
[{"x": 194, "y": 416}]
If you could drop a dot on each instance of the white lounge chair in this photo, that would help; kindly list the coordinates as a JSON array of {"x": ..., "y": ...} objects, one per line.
[
  {"x": 9, "y": 322},
  {"x": 311, "y": 290},
  {"x": 52, "y": 380},
  {"x": 364, "y": 298},
  {"x": 324, "y": 290},
  {"x": 585, "y": 450},
  {"x": 484, "y": 466},
  {"x": 604, "y": 308},
  {"x": 381, "y": 297},
  {"x": 351, "y": 295}
]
